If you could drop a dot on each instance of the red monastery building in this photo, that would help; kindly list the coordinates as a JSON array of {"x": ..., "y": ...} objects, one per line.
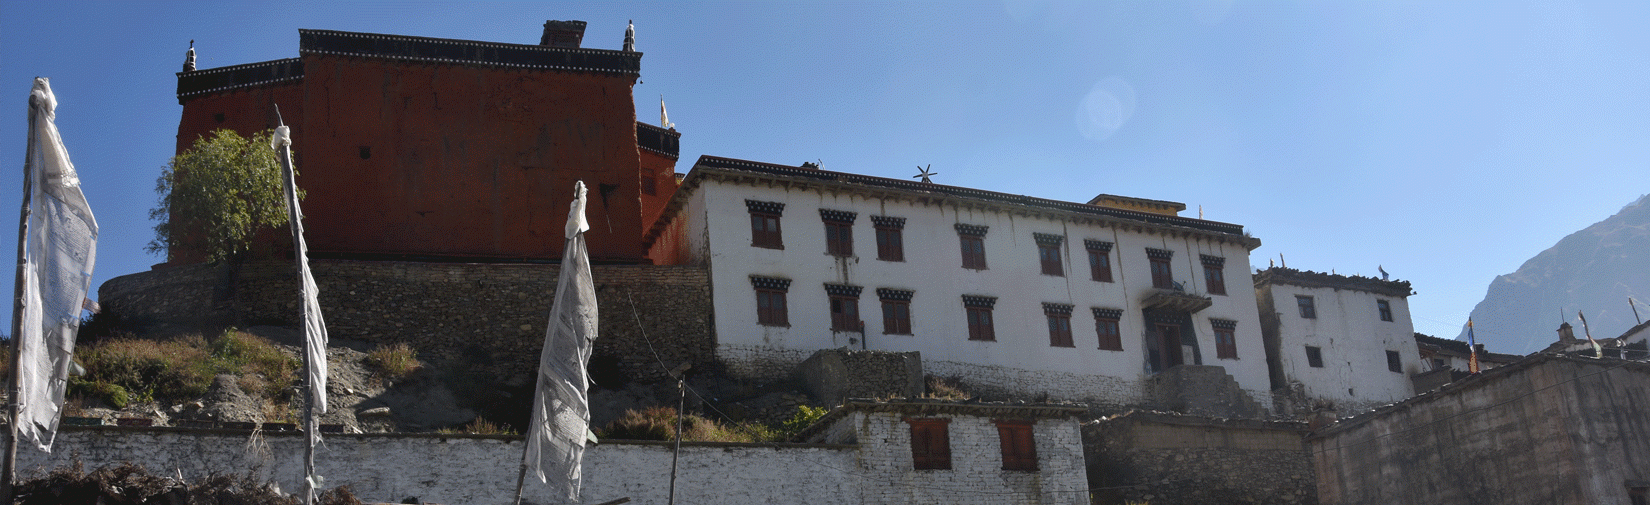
[{"x": 441, "y": 149}]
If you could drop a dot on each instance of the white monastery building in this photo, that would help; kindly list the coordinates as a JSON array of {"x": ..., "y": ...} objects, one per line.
[
  {"x": 1079, "y": 301},
  {"x": 1345, "y": 340}
]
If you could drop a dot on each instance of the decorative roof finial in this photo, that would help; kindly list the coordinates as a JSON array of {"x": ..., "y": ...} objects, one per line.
[
  {"x": 630, "y": 37},
  {"x": 189, "y": 58},
  {"x": 924, "y": 174}
]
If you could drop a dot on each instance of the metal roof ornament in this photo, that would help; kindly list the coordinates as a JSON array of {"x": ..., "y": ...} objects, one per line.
[{"x": 924, "y": 174}]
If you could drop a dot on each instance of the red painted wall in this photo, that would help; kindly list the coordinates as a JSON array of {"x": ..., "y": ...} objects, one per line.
[{"x": 443, "y": 160}]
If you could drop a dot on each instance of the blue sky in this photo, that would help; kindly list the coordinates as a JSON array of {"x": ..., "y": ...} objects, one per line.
[{"x": 1447, "y": 141}]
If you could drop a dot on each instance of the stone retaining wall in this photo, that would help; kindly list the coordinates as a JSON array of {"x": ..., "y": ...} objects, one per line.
[
  {"x": 1167, "y": 459},
  {"x": 487, "y": 318}
]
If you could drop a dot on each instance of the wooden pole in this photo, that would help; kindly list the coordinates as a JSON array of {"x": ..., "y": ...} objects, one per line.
[
  {"x": 311, "y": 428},
  {"x": 14, "y": 388},
  {"x": 681, "y": 402}
]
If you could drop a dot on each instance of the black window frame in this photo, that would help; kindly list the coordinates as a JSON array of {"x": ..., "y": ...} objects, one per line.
[
  {"x": 1162, "y": 267},
  {"x": 896, "y": 311},
  {"x": 1214, "y": 274},
  {"x": 890, "y": 235},
  {"x": 839, "y": 232},
  {"x": 1394, "y": 361},
  {"x": 972, "y": 239},
  {"x": 1059, "y": 324},
  {"x": 1384, "y": 308},
  {"x": 1225, "y": 338},
  {"x": 1048, "y": 253},
  {"x": 1108, "y": 319},
  {"x": 978, "y": 309}
]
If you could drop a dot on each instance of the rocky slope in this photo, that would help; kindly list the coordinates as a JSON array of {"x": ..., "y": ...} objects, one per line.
[{"x": 1594, "y": 270}]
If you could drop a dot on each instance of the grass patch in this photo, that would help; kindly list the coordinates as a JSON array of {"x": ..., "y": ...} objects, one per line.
[
  {"x": 480, "y": 426},
  {"x": 659, "y": 423},
  {"x": 182, "y": 369},
  {"x": 396, "y": 361},
  {"x": 946, "y": 389}
]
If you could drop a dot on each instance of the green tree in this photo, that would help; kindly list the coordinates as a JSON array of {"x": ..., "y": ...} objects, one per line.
[{"x": 215, "y": 197}]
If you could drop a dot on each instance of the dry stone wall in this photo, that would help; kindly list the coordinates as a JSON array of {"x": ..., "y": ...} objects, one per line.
[
  {"x": 1166, "y": 459},
  {"x": 489, "y": 318}
]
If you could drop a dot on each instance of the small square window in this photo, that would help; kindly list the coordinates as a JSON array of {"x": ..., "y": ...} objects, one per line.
[
  {"x": 1394, "y": 362},
  {"x": 770, "y": 308},
  {"x": 1308, "y": 310},
  {"x": 930, "y": 443},
  {"x": 1385, "y": 308},
  {"x": 1314, "y": 357},
  {"x": 1019, "y": 445}
]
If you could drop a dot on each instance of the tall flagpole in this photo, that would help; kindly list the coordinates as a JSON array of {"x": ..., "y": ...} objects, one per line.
[
  {"x": 14, "y": 388},
  {"x": 284, "y": 152}
]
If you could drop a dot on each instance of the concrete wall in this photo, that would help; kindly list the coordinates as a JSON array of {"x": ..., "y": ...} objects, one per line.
[
  {"x": 1547, "y": 429},
  {"x": 488, "y": 318},
  {"x": 1172, "y": 460},
  {"x": 933, "y": 270},
  {"x": 1353, "y": 339},
  {"x": 462, "y": 469}
]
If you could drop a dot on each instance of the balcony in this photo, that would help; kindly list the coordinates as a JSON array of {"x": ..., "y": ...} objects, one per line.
[{"x": 1176, "y": 299}]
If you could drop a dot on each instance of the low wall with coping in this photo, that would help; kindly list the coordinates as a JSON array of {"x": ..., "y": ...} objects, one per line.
[
  {"x": 464, "y": 469},
  {"x": 1167, "y": 459}
]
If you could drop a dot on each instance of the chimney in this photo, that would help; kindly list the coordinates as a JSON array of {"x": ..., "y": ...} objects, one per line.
[
  {"x": 562, "y": 34},
  {"x": 1566, "y": 334}
]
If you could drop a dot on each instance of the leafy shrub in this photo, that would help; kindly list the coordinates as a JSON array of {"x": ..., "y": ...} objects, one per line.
[
  {"x": 804, "y": 417},
  {"x": 109, "y": 393},
  {"x": 395, "y": 360}
]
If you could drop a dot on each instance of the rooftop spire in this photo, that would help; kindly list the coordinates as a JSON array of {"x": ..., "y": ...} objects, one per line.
[
  {"x": 189, "y": 58},
  {"x": 630, "y": 42}
]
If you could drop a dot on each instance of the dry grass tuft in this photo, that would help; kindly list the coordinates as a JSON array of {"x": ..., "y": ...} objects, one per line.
[{"x": 396, "y": 361}]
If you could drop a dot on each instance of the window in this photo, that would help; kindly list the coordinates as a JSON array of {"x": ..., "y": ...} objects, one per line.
[
  {"x": 1386, "y": 309},
  {"x": 1638, "y": 494},
  {"x": 765, "y": 223},
  {"x": 1394, "y": 362},
  {"x": 1162, "y": 273},
  {"x": 1059, "y": 324},
  {"x": 973, "y": 245},
  {"x": 1105, "y": 324},
  {"x": 979, "y": 316},
  {"x": 844, "y": 307},
  {"x": 890, "y": 237},
  {"x": 1214, "y": 275},
  {"x": 839, "y": 231},
  {"x": 1308, "y": 310},
  {"x": 1048, "y": 251},
  {"x": 1099, "y": 260},
  {"x": 1225, "y": 338},
  {"x": 650, "y": 186},
  {"x": 770, "y": 300},
  {"x": 1314, "y": 357},
  {"x": 896, "y": 311},
  {"x": 930, "y": 443},
  {"x": 1019, "y": 447}
]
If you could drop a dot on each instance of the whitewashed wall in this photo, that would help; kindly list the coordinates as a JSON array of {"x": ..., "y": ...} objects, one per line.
[
  {"x": 1021, "y": 358},
  {"x": 471, "y": 469},
  {"x": 1354, "y": 341},
  {"x": 976, "y": 475}
]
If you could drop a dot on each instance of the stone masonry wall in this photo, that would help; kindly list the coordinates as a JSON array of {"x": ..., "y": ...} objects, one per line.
[
  {"x": 833, "y": 375},
  {"x": 1171, "y": 460},
  {"x": 455, "y": 469},
  {"x": 488, "y": 318},
  {"x": 976, "y": 475}
]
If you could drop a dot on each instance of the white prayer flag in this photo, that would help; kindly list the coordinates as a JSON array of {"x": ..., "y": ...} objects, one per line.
[
  {"x": 561, "y": 412},
  {"x": 60, "y": 251},
  {"x": 315, "y": 328}
]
